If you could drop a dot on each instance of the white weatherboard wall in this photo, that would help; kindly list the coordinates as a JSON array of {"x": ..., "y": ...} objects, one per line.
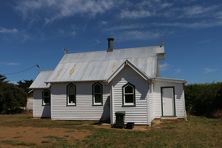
[
  {"x": 38, "y": 109},
  {"x": 137, "y": 114},
  {"x": 156, "y": 98},
  {"x": 84, "y": 110}
]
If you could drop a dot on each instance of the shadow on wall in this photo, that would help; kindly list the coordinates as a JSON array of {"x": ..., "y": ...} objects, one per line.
[
  {"x": 132, "y": 77},
  {"x": 46, "y": 112},
  {"x": 82, "y": 88},
  {"x": 178, "y": 88},
  {"x": 105, "y": 118}
]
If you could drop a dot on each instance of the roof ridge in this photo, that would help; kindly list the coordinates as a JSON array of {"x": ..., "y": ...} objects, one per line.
[{"x": 115, "y": 49}]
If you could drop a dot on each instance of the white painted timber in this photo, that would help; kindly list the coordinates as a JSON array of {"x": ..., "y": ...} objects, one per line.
[
  {"x": 29, "y": 104},
  {"x": 84, "y": 110},
  {"x": 179, "y": 97},
  {"x": 38, "y": 109},
  {"x": 137, "y": 114},
  {"x": 168, "y": 101}
]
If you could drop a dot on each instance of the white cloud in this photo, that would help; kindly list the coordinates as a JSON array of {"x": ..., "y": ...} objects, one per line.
[
  {"x": 177, "y": 71},
  {"x": 164, "y": 66},
  {"x": 69, "y": 31},
  {"x": 145, "y": 9},
  {"x": 57, "y": 9},
  {"x": 199, "y": 10},
  {"x": 10, "y": 63},
  {"x": 135, "y": 13},
  {"x": 195, "y": 25},
  {"x": 104, "y": 22},
  {"x": 202, "y": 15},
  {"x": 138, "y": 35},
  {"x": 8, "y": 31},
  {"x": 209, "y": 70},
  {"x": 124, "y": 27}
]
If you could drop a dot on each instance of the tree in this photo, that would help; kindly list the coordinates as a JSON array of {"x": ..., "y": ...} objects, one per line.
[
  {"x": 25, "y": 86},
  {"x": 3, "y": 79},
  {"x": 12, "y": 98},
  {"x": 204, "y": 99}
]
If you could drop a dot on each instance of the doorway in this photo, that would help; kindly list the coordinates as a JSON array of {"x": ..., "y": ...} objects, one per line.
[{"x": 168, "y": 101}]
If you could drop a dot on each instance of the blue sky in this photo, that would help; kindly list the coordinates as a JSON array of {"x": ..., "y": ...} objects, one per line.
[{"x": 36, "y": 32}]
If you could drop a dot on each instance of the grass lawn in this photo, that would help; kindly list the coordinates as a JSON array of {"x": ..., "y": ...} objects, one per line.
[{"x": 24, "y": 131}]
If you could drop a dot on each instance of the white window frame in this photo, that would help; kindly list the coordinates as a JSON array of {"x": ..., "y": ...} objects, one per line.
[
  {"x": 67, "y": 94},
  {"x": 43, "y": 97},
  {"x": 94, "y": 93},
  {"x": 133, "y": 93}
]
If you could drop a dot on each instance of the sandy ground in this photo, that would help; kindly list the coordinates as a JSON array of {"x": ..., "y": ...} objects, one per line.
[{"x": 38, "y": 136}]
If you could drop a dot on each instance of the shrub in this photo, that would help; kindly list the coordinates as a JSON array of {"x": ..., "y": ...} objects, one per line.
[
  {"x": 203, "y": 99},
  {"x": 12, "y": 98}
]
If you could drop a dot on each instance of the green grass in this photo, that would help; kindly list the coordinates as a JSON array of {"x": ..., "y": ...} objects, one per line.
[
  {"x": 26, "y": 120},
  {"x": 196, "y": 132},
  {"x": 56, "y": 139}
]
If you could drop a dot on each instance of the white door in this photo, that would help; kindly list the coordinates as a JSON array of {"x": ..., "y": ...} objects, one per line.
[{"x": 168, "y": 101}]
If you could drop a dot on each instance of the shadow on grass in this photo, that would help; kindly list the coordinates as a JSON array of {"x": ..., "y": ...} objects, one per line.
[{"x": 17, "y": 143}]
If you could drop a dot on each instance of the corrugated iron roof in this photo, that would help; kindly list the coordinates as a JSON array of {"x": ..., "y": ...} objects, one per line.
[
  {"x": 99, "y": 65},
  {"x": 40, "y": 80}
]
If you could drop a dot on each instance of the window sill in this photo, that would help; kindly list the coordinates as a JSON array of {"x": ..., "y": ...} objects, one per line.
[
  {"x": 70, "y": 104},
  {"x": 133, "y": 105},
  {"x": 47, "y": 104},
  {"x": 97, "y": 105}
]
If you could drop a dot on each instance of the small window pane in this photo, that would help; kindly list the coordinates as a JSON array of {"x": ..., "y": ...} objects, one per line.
[
  {"x": 97, "y": 88},
  {"x": 128, "y": 89},
  {"x": 46, "y": 93},
  {"x": 98, "y": 98},
  {"x": 71, "y": 90},
  {"x": 46, "y": 100},
  {"x": 46, "y": 97},
  {"x": 71, "y": 98},
  {"x": 129, "y": 99}
]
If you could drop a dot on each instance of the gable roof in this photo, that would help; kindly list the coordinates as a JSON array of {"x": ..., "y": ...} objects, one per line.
[
  {"x": 40, "y": 80},
  {"x": 127, "y": 63},
  {"x": 100, "y": 65}
]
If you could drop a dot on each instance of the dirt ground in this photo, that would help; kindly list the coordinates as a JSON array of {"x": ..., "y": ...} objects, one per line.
[
  {"x": 37, "y": 136},
  {"x": 31, "y": 136}
]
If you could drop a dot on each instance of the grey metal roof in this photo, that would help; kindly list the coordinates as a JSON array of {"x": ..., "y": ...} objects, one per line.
[
  {"x": 99, "y": 65},
  {"x": 41, "y": 79},
  {"x": 170, "y": 80}
]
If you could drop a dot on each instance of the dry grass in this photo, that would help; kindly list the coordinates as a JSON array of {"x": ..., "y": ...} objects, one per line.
[{"x": 24, "y": 131}]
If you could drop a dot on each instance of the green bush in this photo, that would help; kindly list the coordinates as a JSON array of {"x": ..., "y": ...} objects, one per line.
[
  {"x": 203, "y": 99},
  {"x": 12, "y": 98}
]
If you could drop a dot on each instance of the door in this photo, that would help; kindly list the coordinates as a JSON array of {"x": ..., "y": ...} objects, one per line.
[{"x": 168, "y": 101}]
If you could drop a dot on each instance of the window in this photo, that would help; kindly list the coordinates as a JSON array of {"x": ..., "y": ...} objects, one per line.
[
  {"x": 45, "y": 97},
  {"x": 129, "y": 95},
  {"x": 97, "y": 94},
  {"x": 71, "y": 95}
]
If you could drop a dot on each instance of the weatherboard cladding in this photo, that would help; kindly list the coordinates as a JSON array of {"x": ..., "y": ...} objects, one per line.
[
  {"x": 38, "y": 109},
  {"x": 155, "y": 99},
  {"x": 84, "y": 109},
  {"x": 137, "y": 114},
  {"x": 40, "y": 80},
  {"x": 100, "y": 65}
]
